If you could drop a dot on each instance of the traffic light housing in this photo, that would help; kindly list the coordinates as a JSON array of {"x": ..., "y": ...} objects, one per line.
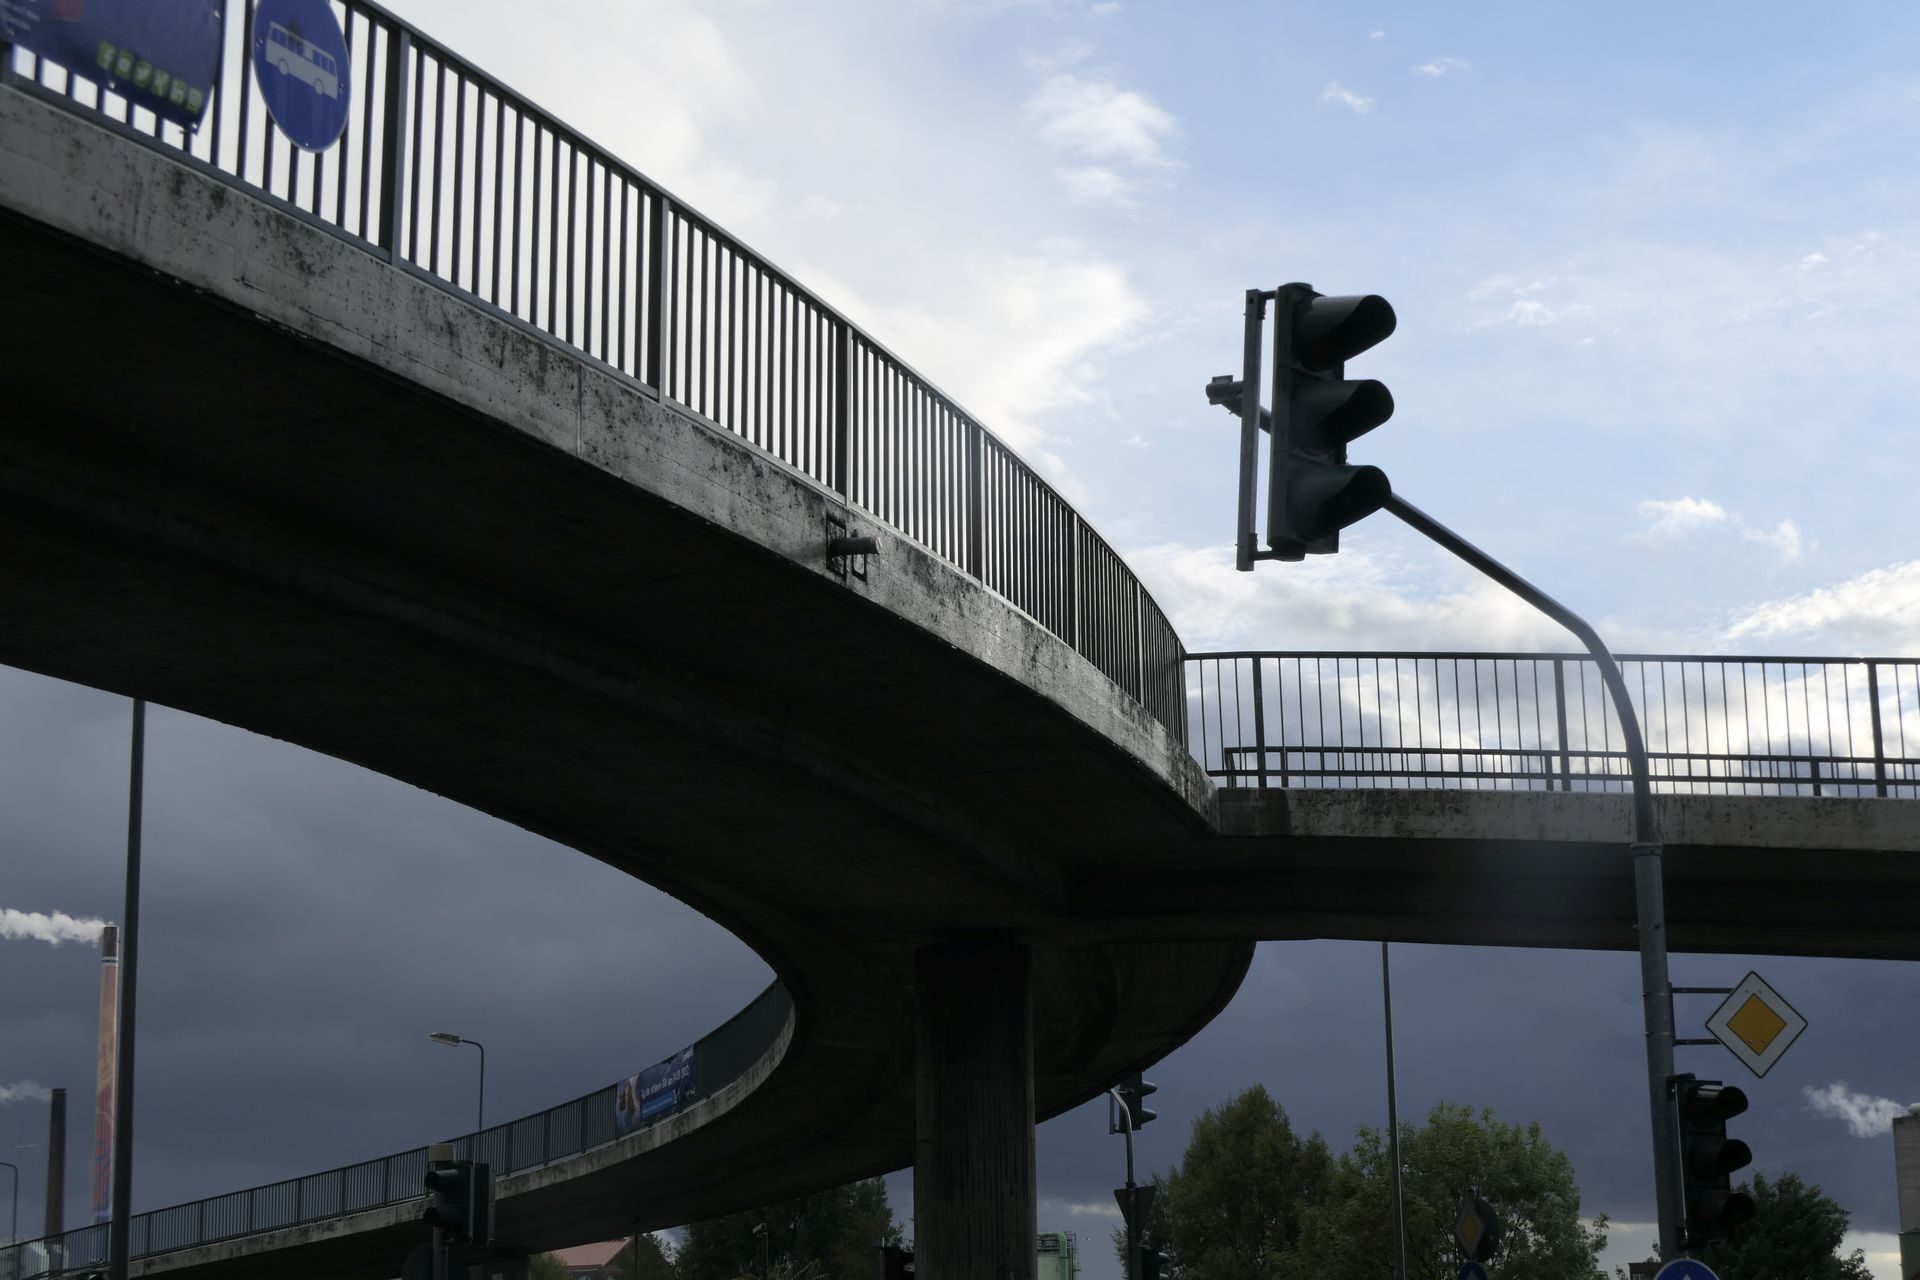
[
  {"x": 1133, "y": 1091},
  {"x": 1709, "y": 1158},
  {"x": 1149, "y": 1262},
  {"x": 460, "y": 1200},
  {"x": 1312, "y": 493}
]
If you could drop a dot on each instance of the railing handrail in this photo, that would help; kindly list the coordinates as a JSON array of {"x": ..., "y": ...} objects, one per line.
[{"x": 1560, "y": 655}]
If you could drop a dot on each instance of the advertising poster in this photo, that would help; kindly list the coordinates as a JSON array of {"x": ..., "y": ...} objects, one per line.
[
  {"x": 163, "y": 55},
  {"x": 104, "y": 1075},
  {"x": 641, "y": 1099}
]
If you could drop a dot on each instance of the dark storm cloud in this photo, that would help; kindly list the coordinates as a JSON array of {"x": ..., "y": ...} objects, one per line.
[{"x": 306, "y": 924}]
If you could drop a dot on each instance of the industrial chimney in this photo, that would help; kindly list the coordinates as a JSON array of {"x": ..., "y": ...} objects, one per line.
[
  {"x": 1906, "y": 1175},
  {"x": 57, "y": 1165}
]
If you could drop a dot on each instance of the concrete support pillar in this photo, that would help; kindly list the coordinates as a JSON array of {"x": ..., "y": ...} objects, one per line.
[{"x": 973, "y": 1180}]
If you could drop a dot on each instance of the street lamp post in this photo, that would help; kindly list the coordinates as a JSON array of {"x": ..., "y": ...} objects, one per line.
[{"x": 447, "y": 1037}]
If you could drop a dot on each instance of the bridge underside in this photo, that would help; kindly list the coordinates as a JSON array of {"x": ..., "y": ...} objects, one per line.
[{"x": 249, "y": 471}]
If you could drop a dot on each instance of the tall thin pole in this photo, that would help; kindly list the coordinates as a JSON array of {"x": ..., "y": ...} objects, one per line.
[
  {"x": 13, "y": 1222},
  {"x": 119, "y": 1231},
  {"x": 1650, "y": 912},
  {"x": 1393, "y": 1125}
]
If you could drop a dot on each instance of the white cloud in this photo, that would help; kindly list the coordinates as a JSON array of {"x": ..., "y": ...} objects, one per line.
[
  {"x": 1351, "y": 601},
  {"x": 1017, "y": 338},
  {"x": 1876, "y": 613},
  {"x": 1100, "y": 120},
  {"x": 1783, "y": 537},
  {"x": 1866, "y": 1116},
  {"x": 1376, "y": 34},
  {"x": 1338, "y": 95},
  {"x": 1671, "y": 517},
  {"x": 1440, "y": 66},
  {"x": 1093, "y": 184}
]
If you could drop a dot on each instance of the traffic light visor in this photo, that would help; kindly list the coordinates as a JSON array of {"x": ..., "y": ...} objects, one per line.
[
  {"x": 1705, "y": 1103},
  {"x": 1329, "y": 331}
]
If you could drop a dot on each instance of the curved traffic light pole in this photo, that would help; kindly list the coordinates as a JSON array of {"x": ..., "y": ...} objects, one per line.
[{"x": 1648, "y": 891}]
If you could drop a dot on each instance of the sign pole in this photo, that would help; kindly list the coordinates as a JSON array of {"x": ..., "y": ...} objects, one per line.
[
  {"x": 1393, "y": 1126},
  {"x": 119, "y": 1229},
  {"x": 1650, "y": 912}
]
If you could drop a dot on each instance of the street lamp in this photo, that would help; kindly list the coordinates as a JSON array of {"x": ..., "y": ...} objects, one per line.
[{"x": 447, "y": 1037}]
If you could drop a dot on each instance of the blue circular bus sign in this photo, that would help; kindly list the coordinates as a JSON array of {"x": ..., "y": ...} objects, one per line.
[{"x": 300, "y": 61}]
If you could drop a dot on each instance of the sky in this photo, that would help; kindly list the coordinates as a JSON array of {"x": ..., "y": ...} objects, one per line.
[{"x": 1652, "y": 267}]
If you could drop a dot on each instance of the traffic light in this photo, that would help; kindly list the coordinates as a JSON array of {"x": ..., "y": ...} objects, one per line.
[
  {"x": 1312, "y": 493},
  {"x": 1709, "y": 1158},
  {"x": 1133, "y": 1091},
  {"x": 1149, "y": 1262},
  {"x": 894, "y": 1263},
  {"x": 460, "y": 1200}
]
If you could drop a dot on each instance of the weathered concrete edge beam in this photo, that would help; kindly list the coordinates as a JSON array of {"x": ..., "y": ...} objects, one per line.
[{"x": 1807, "y": 823}]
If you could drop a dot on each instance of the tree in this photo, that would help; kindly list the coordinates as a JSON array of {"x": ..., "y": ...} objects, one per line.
[
  {"x": 1796, "y": 1231},
  {"x": 1232, "y": 1207},
  {"x": 644, "y": 1259},
  {"x": 828, "y": 1236},
  {"x": 544, "y": 1266},
  {"x": 1348, "y": 1235}
]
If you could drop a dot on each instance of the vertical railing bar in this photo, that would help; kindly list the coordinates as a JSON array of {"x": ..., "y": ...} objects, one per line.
[
  {"x": 419, "y": 104},
  {"x": 1879, "y": 747},
  {"x": 439, "y": 163},
  {"x": 553, "y": 239},
  {"x": 499, "y": 188},
  {"x": 393, "y": 136},
  {"x": 656, "y": 322},
  {"x": 573, "y": 219},
  {"x": 459, "y": 167},
  {"x": 620, "y": 328}
]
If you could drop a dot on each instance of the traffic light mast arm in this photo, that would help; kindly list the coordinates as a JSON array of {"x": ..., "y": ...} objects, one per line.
[
  {"x": 1649, "y": 892},
  {"x": 1246, "y": 546}
]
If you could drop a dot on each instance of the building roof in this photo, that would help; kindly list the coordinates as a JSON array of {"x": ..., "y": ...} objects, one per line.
[{"x": 590, "y": 1255}]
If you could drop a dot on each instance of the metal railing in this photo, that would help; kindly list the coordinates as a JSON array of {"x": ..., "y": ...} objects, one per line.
[
  {"x": 1544, "y": 721},
  {"x": 447, "y": 173},
  {"x": 719, "y": 1058}
]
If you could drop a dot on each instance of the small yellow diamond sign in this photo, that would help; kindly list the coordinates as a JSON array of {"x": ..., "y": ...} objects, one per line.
[{"x": 1756, "y": 1023}]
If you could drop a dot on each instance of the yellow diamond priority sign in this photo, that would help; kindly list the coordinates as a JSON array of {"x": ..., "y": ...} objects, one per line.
[{"x": 1756, "y": 1024}]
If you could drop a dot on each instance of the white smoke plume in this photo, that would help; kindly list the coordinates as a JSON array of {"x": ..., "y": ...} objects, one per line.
[
  {"x": 1866, "y": 1115},
  {"x": 24, "y": 1091},
  {"x": 56, "y": 928}
]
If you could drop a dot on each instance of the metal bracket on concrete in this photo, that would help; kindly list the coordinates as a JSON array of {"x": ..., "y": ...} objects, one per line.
[{"x": 847, "y": 552}]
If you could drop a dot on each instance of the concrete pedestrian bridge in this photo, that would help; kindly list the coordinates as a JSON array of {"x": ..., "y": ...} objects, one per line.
[{"x": 465, "y": 453}]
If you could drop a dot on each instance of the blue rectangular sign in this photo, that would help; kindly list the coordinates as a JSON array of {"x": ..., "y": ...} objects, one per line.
[
  {"x": 163, "y": 55},
  {"x": 642, "y": 1098}
]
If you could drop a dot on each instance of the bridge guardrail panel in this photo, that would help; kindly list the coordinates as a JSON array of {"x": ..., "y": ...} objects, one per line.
[{"x": 1713, "y": 724}]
